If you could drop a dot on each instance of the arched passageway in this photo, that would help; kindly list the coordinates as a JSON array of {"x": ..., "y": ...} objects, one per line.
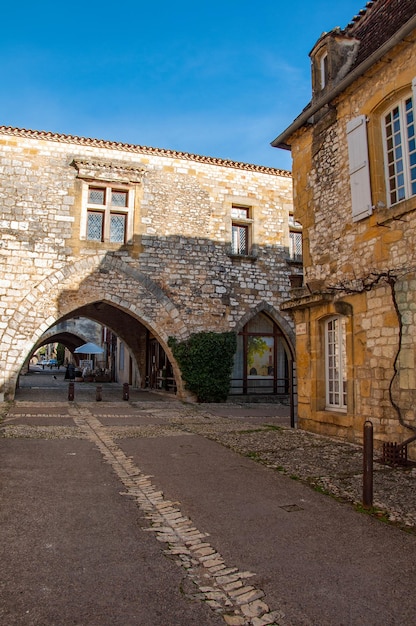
[
  {"x": 131, "y": 352},
  {"x": 263, "y": 363}
]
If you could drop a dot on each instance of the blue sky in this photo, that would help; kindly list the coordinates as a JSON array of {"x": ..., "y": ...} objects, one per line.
[{"x": 218, "y": 78}]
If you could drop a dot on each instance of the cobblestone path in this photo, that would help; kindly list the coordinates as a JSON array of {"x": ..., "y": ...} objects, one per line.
[{"x": 225, "y": 589}]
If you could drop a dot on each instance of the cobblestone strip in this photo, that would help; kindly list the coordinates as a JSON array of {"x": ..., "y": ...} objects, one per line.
[{"x": 224, "y": 589}]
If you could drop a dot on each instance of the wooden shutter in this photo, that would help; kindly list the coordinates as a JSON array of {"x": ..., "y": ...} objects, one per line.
[{"x": 359, "y": 168}]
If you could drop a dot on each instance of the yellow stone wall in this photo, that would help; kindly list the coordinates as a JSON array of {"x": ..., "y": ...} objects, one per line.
[{"x": 339, "y": 253}]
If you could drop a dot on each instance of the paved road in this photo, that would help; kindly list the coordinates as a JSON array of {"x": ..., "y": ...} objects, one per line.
[{"x": 114, "y": 513}]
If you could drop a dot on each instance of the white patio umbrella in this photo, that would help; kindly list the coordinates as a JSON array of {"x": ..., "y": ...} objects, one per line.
[{"x": 89, "y": 348}]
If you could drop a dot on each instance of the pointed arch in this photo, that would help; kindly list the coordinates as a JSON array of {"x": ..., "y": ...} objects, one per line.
[
  {"x": 265, "y": 307},
  {"x": 264, "y": 360}
]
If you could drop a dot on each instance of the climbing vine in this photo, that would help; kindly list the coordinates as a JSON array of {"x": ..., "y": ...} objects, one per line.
[
  {"x": 367, "y": 283},
  {"x": 206, "y": 363}
]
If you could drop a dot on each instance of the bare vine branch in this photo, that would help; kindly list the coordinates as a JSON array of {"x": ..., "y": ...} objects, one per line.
[{"x": 367, "y": 283}]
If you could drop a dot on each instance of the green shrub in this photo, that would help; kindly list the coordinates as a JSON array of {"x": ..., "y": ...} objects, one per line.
[
  {"x": 60, "y": 353},
  {"x": 206, "y": 363}
]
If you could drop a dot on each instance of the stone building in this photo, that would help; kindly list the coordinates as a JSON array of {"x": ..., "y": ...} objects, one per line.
[
  {"x": 354, "y": 170},
  {"x": 149, "y": 243}
]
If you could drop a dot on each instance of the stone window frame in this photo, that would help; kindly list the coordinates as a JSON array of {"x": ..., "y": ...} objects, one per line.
[
  {"x": 377, "y": 156},
  {"x": 336, "y": 375},
  {"x": 107, "y": 210},
  {"x": 122, "y": 176},
  {"x": 295, "y": 235},
  {"x": 241, "y": 222},
  {"x": 247, "y": 222},
  {"x": 323, "y": 64},
  {"x": 320, "y": 66},
  {"x": 392, "y": 167}
]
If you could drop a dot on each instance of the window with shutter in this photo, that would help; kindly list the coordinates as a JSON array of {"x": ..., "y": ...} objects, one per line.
[{"x": 359, "y": 168}]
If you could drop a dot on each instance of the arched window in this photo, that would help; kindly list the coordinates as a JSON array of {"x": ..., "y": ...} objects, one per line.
[
  {"x": 260, "y": 363},
  {"x": 400, "y": 149},
  {"x": 335, "y": 363}
]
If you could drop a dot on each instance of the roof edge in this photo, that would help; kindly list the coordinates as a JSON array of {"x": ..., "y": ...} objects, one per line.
[
  {"x": 114, "y": 145},
  {"x": 312, "y": 108}
]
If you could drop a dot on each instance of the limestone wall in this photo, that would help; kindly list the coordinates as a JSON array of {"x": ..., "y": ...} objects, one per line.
[
  {"x": 368, "y": 264},
  {"x": 175, "y": 274}
]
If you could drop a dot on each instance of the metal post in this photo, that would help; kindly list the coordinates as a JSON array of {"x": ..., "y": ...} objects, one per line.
[
  {"x": 368, "y": 465},
  {"x": 71, "y": 391},
  {"x": 291, "y": 396},
  {"x": 98, "y": 395},
  {"x": 125, "y": 391}
]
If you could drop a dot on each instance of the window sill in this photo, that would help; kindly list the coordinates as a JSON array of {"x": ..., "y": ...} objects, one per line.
[
  {"x": 100, "y": 247},
  {"x": 243, "y": 257},
  {"x": 294, "y": 261},
  {"x": 396, "y": 211},
  {"x": 108, "y": 244},
  {"x": 339, "y": 418}
]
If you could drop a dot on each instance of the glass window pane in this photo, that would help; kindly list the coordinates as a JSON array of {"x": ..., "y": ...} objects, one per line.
[
  {"x": 118, "y": 198},
  {"x": 295, "y": 245},
  {"x": 401, "y": 152},
  {"x": 96, "y": 195},
  {"x": 240, "y": 212},
  {"x": 95, "y": 221},
  {"x": 117, "y": 227},
  {"x": 260, "y": 356},
  {"x": 239, "y": 239},
  {"x": 336, "y": 363}
]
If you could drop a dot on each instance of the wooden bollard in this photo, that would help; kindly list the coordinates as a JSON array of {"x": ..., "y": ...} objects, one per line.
[
  {"x": 71, "y": 391},
  {"x": 125, "y": 391},
  {"x": 98, "y": 393}
]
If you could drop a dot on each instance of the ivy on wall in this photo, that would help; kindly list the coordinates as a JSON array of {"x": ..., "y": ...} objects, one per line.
[{"x": 206, "y": 363}]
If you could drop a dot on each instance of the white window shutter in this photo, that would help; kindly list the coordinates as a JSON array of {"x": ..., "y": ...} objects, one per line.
[{"x": 359, "y": 168}]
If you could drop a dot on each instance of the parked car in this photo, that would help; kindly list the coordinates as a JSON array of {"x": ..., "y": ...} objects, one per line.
[
  {"x": 43, "y": 362},
  {"x": 52, "y": 362}
]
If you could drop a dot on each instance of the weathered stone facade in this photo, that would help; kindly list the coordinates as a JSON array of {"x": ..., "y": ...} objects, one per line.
[
  {"x": 357, "y": 266},
  {"x": 175, "y": 273}
]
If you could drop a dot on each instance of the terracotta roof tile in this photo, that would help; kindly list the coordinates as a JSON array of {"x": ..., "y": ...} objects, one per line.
[
  {"x": 127, "y": 147},
  {"x": 377, "y": 23}
]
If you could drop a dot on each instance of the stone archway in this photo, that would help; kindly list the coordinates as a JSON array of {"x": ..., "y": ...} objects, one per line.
[{"x": 100, "y": 289}]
